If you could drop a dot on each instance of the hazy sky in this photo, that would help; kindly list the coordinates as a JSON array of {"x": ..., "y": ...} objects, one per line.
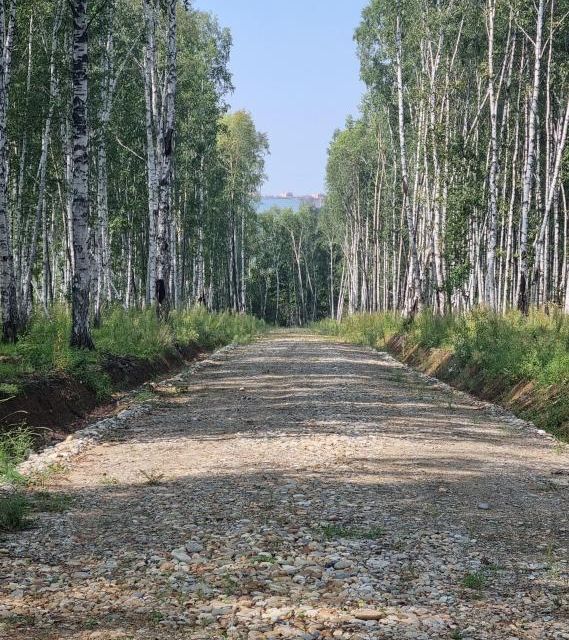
[{"x": 295, "y": 69}]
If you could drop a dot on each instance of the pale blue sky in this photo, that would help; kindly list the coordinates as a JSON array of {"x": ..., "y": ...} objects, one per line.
[{"x": 295, "y": 69}]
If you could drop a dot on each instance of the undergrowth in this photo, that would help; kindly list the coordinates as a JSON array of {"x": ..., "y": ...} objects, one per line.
[
  {"x": 43, "y": 349},
  {"x": 15, "y": 444},
  {"x": 500, "y": 350}
]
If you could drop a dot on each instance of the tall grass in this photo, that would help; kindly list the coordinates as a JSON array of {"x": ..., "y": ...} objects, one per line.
[
  {"x": 505, "y": 350},
  {"x": 373, "y": 330},
  {"x": 44, "y": 348},
  {"x": 15, "y": 445}
]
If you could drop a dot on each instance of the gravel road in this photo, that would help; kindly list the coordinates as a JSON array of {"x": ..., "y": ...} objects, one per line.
[{"x": 299, "y": 488}]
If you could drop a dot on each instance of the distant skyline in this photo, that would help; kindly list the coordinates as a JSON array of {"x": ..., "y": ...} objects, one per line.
[{"x": 295, "y": 69}]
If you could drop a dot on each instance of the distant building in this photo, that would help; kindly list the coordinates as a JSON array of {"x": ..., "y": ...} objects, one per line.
[{"x": 289, "y": 201}]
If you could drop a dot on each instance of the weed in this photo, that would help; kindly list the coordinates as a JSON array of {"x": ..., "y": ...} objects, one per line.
[
  {"x": 333, "y": 532},
  {"x": 475, "y": 581},
  {"x": 230, "y": 585},
  {"x": 263, "y": 557},
  {"x": 91, "y": 623},
  {"x": 44, "y": 501},
  {"x": 152, "y": 478},
  {"x": 155, "y": 616},
  {"x": 17, "y": 620},
  {"x": 109, "y": 481},
  {"x": 47, "y": 476},
  {"x": 9, "y": 390},
  {"x": 561, "y": 448},
  {"x": 144, "y": 396},
  {"x": 14, "y": 510},
  {"x": 15, "y": 446}
]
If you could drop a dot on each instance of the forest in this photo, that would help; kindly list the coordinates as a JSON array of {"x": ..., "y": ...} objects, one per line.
[
  {"x": 449, "y": 190},
  {"x": 126, "y": 180},
  {"x": 124, "y": 177},
  {"x": 347, "y": 420}
]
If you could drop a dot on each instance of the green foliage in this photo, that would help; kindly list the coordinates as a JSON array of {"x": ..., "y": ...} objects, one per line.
[
  {"x": 513, "y": 347},
  {"x": 476, "y": 581},
  {"x": 504, "y": 350},
  {"x": 373, "y": 330},
  {"x": 15, "y": 445},
  {"x": 135, "y": 332},
  {"x": 44, "y": 349},
  {"x": 14, "y": 510},
  {"x": 334, "y": 531},
  {"x": 213, "y": 330}
]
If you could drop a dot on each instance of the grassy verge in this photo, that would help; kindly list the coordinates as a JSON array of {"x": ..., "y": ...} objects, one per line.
[
  {"x": 44, "y": 349},
  {"x": 518, "y": 361}
]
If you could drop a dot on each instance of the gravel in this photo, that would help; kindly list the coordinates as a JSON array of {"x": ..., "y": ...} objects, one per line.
[{"x": 297, "y": 488}]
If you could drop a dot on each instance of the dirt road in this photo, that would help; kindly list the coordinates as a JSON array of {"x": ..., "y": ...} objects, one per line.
[{"x": 300, "y": 488}]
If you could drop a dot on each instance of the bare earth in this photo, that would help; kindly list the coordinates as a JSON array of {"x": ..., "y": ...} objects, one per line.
[{"x": 310, "y": 490}]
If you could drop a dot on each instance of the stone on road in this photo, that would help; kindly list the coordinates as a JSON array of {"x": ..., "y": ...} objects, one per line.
[{"x": 300, "y": 488}]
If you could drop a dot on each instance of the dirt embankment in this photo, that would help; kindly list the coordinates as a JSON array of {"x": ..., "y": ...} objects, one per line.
[
  {"x": 542, "y": 405},
  {"x": 54, "y": 406}
]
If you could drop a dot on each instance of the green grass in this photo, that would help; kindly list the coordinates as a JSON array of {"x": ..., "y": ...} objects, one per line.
[
  {"x": 46, "y": 502},
  {"x": 14, "y": 510},
  {"x": 44, "y": 347},
  {"x": 15, "y": 444},
  {"x": 476, "y": 581},
  {"x": 502, "y": 350},
  {"x": 333, "y": 532}
]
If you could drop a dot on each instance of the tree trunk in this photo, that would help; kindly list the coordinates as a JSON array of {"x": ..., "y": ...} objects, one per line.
[
  {"x": 414, "y": 295},
  {"x": 80, "y": 332},
  {"x": 523, "y": 296},
  {"x": 163, "y": 258},
  {"x": 8, "y": 298}
]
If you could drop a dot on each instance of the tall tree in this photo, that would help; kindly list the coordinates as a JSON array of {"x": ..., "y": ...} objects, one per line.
[
  {"x": 80, "y": 330},
  {"x": 8, "y": 300}
]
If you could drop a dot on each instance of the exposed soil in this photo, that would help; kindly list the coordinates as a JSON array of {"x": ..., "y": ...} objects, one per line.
[
  {"x": 542, "y": 404},
  {"x": 54, "y": 406},
  {"x": 301, "y": 488}
]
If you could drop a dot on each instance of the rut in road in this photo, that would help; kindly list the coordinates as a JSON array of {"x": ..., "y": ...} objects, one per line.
[{"x": 301, "y": 488}]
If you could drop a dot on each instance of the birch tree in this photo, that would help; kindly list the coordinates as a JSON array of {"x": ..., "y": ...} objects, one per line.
[
  {"x": 80, "y": 329},
  {"x": 8, "y": 300}
]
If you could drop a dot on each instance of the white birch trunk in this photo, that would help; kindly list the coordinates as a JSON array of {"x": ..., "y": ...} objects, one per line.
[
  {"x": 523, "y": 285},
  {"x": 163, "y": 258},
  {"x": 8, "y": 298},
  {"x": 80, "y": 332}
]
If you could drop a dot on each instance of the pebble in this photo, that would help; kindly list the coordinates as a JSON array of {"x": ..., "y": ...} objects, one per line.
[{"x": 347, "y": 515}]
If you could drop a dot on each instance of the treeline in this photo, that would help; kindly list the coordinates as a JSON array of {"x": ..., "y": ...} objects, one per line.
[
  {"x": 123, "y": 177},
  {"x": 290, "y": 269},
  {"x": 450, "y": 189}
]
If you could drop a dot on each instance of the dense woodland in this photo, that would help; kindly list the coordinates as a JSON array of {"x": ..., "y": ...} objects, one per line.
[
  {"x": 450, "y": 189},
  {"x": 125, "y": 179}
]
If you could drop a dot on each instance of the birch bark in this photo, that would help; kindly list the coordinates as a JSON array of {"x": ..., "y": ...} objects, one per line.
[
  {"x": 414, "y": 300},
  {"x": 8, "y": 298},
  {"x": 163, "y": 258},
  {"x": 523, "y": 284},
  {"x": 80, "y": 332}
]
